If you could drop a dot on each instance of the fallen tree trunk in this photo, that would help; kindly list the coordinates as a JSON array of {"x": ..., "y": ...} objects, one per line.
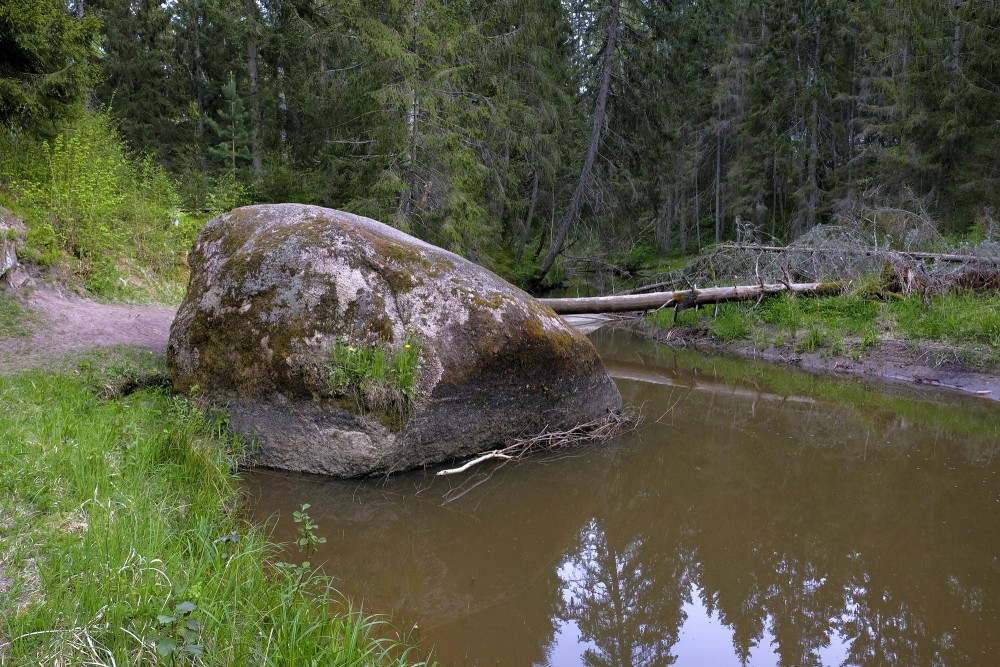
[
  {"x": 943, "y": 257},
  {"x": 681, "y": 299}
]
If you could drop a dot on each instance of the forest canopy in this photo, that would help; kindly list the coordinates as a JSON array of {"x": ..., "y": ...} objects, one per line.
[{"x": 490, "y": 127}]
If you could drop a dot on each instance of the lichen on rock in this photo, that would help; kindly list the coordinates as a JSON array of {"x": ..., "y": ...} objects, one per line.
[{"x": 273, "y": 290}]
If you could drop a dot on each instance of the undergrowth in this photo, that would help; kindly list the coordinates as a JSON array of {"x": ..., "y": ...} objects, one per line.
[
  {"x": 121, "y": 544},
  {"x": 108, "y": 218},
  {"x": 16, "y": 319}
]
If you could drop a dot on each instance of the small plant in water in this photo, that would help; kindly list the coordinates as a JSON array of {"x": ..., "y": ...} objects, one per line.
[
  {"x": 813, "y": 339},
  {"x": 308, "y": 540},
  {"x": 377, "y": 377}
]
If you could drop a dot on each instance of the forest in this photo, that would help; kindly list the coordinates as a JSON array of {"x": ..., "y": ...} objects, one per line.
[{"x": 522, "y": 135}]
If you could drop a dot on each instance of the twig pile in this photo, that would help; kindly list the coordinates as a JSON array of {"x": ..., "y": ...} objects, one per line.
[
  {"x": 601, "y": 429},
  {"x": 840, "y": 253}
]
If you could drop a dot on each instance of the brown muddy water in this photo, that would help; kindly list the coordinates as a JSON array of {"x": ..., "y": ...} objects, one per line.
[{"x": 760, "y": 516}]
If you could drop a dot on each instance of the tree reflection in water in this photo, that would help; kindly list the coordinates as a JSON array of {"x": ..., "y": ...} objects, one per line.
[
  {"x": 630, "y": 618},
  {"x": 810, "y": 532}
]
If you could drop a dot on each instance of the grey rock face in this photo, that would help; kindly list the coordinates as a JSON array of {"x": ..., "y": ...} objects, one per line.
[
  {"x": 12, "y": 233},
  {"x": 274, "y": 288},
  {"x": 9, "y": 236}
]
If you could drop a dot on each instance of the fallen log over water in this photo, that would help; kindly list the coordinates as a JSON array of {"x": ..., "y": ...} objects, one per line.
[{"x": 681, "y": 299}]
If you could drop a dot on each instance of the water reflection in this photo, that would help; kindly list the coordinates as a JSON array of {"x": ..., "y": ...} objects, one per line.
[
  {"x": 629, "y": 617},
  {"x": 744, "y": 524}
]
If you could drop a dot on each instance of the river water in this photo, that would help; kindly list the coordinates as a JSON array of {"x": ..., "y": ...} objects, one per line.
[{"x": 759, "y": 516}]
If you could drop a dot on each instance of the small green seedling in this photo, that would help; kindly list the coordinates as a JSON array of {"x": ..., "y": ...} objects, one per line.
[
  {"x": 179, "y": 634},
  {"x": 308, "y": 540}
]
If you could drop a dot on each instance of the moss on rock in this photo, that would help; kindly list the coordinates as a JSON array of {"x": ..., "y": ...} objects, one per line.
[{"x": 273, "y": 288}]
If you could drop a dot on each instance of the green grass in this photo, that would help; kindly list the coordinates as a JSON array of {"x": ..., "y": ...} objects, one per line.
[
  {"x": 811, "y": 323},
  {"x": 378, "y": 378},
  {"x": 120, "y": 535},
  {"x": 959, "y": 317},
  {"x": 16, "y": 320}
]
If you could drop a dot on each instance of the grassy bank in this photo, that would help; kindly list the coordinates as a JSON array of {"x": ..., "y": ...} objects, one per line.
[
  {"x": 854, "y": 323},
  {"x": 121, "y": 542}
]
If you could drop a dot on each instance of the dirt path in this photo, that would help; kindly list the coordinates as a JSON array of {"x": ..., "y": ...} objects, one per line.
[{"x": 68, "y": 324}]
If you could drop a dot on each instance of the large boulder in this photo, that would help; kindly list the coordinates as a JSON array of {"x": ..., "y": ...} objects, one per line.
[{"x": 279, "y": 293}]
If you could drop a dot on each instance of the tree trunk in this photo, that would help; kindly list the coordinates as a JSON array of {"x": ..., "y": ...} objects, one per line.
[
  {"x": 408, "y": 196},
  {"x": 774, "y": 195},
  {"x": 812, "y": 201},
  {"x": 526, "y": 227},
  {"x": 255, "y": 122},
  {"x": 199, "y": 92},
  {"x": 282, "y": 98},
  {"x": 668, "y": 219},
  {"x": 718, "y": 178},
  {"x": 79, "y": 8},
  {"x": 682, "y": 233},
  {"x": 697, "y": 196},
  {"x": 595, "y": 141},
  {"x": 682, "y": 298}
]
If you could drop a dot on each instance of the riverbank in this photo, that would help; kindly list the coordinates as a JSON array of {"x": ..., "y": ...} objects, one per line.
[
  {"x": 951, "y": 343},
  {"x": 122, "y": 541}
]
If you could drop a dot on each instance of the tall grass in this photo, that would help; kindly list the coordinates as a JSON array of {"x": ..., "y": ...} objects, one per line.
[
  {"x": 120, "y": 535},
  {"x": 960, "y": 316},
  {"x": 815, "y": 322},
  {"x": 376, "y": 377}
]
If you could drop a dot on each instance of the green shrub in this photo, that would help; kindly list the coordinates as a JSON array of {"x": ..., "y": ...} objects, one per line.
[{"x": 110, "y": 216}]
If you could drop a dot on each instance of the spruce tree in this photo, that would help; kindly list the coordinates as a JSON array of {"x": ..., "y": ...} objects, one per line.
[
  {"x": 46, "y": 63},
  {"x": 231, "y": 128}
]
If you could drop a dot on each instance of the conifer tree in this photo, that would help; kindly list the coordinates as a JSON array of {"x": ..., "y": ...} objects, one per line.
[
  {"x": 140, "y": 80},
  {"x": 46, "y": 66},
  {"x": 231, "y": 128}
]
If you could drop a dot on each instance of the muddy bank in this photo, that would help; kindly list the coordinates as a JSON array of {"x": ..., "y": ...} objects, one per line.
[{"x": 923, "y": 363}]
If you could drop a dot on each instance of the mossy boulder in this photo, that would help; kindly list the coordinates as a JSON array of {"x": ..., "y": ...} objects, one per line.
[{"x": 276, "y": 288}]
